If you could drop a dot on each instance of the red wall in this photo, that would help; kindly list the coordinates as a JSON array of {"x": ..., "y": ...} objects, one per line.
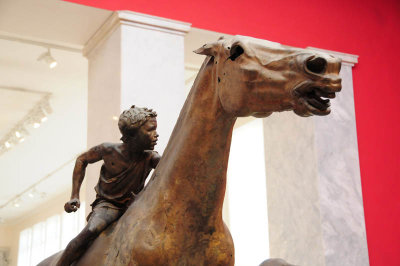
[{"x": 366, "y": 28}]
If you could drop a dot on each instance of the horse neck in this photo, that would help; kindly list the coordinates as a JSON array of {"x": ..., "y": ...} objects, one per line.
[{"x": 194, "y": 164}]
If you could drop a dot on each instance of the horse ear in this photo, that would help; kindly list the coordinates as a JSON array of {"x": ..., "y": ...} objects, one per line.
[{"x": 207, "y": 49}]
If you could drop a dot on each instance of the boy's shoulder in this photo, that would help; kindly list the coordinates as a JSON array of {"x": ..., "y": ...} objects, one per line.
[
  {"x": 151, "y": 153},
  {"x": 110, "y": 147}
]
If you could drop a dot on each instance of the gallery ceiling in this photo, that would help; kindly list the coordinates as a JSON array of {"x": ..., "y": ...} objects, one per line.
[{"x": 51, "y": 21}]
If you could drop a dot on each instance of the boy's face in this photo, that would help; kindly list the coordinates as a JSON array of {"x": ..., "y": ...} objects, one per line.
[{"x": 147, "y": 134}]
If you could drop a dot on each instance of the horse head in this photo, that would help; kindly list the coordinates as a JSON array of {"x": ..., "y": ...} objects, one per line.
[{"x": 256, "y": 77}]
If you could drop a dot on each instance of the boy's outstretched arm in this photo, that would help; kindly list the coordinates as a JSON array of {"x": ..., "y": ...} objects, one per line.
[{"x": 93, "y": 155}]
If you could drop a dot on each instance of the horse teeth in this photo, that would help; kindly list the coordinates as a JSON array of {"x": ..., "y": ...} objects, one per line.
[
  {"x": 317, "y": 104},
  {"x": 324, "y": 100}
]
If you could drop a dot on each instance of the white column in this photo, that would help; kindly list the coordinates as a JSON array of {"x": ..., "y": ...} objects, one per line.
[{"x": 134, "y": 59}]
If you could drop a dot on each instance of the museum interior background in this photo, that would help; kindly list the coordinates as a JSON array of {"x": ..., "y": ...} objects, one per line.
[{"x": 323, "y": 229}]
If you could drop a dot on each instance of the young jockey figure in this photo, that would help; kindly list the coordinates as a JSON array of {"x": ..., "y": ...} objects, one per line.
[{"x": 125, "y": 168}]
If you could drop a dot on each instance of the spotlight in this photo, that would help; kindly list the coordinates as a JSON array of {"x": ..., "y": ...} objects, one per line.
[
  {"x": 41, "y": 116},
  {"x": 17, "y": 203},
  {"x": 33, "y": 193},
  {"x": 48, "y": 59},
  {"x": 7, "y": 144},
  {"x": 37, "y": 117},
  {"x": 21, "y": 132},
  {"x": 46, "y": 106}
]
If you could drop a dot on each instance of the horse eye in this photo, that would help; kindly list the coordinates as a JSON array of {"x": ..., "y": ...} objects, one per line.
[{"x": 235, "y": 52}]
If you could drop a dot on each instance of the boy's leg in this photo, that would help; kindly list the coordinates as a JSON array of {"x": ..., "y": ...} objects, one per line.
[{"x": 98, "y": 221}]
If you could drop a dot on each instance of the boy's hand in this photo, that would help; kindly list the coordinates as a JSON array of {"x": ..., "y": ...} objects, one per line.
[{"x": 72, "y": 205}]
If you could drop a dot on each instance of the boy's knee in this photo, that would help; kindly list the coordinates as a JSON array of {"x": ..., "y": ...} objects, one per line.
[
  {"x": 94, "y": 231},
  {"x": 96, "y": 226}
]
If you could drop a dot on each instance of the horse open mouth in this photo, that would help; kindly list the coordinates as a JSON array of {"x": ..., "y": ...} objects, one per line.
[
  {"x": 315, "y": 99},
  {"x": 318, "y": 98}
]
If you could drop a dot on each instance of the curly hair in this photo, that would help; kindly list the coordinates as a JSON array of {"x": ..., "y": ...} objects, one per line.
[{"x": 132, "y": 119}]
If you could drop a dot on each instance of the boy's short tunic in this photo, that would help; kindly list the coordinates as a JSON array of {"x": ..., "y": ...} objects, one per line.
[{"x": 118, "y": 191}]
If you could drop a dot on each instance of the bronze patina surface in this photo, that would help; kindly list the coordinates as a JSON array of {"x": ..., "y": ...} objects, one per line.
[{"x": 177, "y": 218}]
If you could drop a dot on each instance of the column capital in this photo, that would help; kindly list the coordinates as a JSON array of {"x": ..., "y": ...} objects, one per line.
[{"x": 134, "y": 19}]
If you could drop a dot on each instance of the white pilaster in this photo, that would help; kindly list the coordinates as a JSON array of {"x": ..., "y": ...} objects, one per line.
[
  {"x": 295, "y": 232},
  {"x": 315, "y": 207},
  {"x": 134, "y": 59},
  {"x": 340, "y": 195}
]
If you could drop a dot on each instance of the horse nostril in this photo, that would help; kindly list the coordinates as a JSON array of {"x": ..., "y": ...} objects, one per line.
[{"x": 317, "y": 65}]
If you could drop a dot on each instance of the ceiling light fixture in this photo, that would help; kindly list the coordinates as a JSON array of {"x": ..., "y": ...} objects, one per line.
[
  {"x": 34, "y": 118},
  {"x": 21, "y": 132},
  {"x": 48, "y": 59},
  {"x": 37, "y": 116},
  {"x": 33, "y": 193},
  {"x": 45, "y": 105},
  {"x": 17, "y": 202}
]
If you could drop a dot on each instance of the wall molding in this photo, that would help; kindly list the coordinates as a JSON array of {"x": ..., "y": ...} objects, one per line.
[{"x": 134, "y": 19}]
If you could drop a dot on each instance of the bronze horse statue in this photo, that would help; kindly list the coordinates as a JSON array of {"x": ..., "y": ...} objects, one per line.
[{"x": 177, "y": 218}]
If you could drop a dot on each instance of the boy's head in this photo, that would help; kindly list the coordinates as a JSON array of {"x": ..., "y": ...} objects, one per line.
[{"x": 132, "y": 119}]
